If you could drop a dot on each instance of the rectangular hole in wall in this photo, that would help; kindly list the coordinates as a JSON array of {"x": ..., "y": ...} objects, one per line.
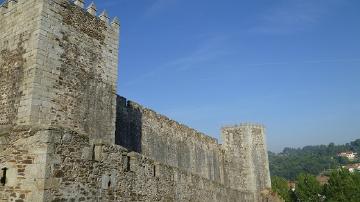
[
  {"x": 3, "y": 178},
  {"x": 128, "y": 164}
]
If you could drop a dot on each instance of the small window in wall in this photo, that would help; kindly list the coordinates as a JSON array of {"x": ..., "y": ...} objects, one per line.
[
  {"x": 128, "y": 166},
  {"x": 154, "y": 170},
  {"x": 3, "y": 178},
  {"x": 109, "y": 183}
]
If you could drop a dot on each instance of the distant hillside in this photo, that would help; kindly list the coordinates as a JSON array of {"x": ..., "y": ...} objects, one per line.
[{"x": 309, "y": 159}]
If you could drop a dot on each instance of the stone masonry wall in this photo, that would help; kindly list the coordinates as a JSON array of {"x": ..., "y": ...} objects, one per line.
[
  {"x": 246, "y": 153},
  {"x": 154, "y": 135},
  {"x": 24, "y": 156},
  {"x": 237, "y": 143},
  {"x": 260, "y": 158},
  {"x": 75, "y": 83},
  {"x": 19, "y": 30},
  {"x": 58, "y": 66},
  {"x": 240, "y": 162},
  {"x": 83, "y": 172}
]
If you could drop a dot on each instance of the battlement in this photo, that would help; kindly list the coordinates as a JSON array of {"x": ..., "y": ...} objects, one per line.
[
  {"x": 8, "y": 5},
  {"x": 166, "y": 120},
  {"x": 244, "y": 125},
  {"x": 91, "y": 9},
  {"x": 154, "y": 135}
]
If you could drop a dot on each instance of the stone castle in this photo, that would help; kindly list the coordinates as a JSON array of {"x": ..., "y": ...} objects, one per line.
[{"x": 66, "y": 136}]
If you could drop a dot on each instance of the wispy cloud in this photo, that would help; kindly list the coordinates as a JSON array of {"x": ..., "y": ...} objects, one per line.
[
  {"x": 320, "y": 61},
  {"x": 209, "y": 49},
  {"x": 158, "y": 6},
  {"x": 294, "y": 15}
]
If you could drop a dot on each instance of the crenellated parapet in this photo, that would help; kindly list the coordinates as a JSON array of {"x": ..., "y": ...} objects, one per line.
[
  {"x": 9, "y": 5},
  {"x": 242, "y": 125},
  {"x": 240, "y": 162},
  {"x": 103, "y": 16}
]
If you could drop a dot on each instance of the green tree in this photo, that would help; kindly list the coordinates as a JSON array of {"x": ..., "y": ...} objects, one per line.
[
  {"x": 343, "y": 186},
  {"x": 280, "y": 186},
  {"x": 308, "y": 189},
  {"x": 309, "y": 159}
]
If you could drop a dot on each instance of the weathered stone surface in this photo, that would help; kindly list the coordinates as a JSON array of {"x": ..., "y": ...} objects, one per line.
[
  {"x": 58, "y": 67},
  {"x": 59, "y": 113},
  {"x": 239, "y": 163},
  {"x": 123, "y": 176}
]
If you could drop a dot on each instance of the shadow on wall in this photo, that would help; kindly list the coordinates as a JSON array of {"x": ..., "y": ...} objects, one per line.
[{"x": 128, "y": 125}]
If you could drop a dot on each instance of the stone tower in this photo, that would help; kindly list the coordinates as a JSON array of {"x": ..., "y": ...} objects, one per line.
[
  {"x": 60, "y": 67},
  {"x": 246, "y": 156}
]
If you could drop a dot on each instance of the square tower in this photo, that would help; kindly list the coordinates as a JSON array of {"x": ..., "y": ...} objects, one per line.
[
  {"x": 58, "y": 71},
  {"x": 58, "y": 67}
]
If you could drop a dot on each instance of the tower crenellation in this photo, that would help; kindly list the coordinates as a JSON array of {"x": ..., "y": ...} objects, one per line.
[
  {"x": 92, "y": 9},
  {"x": 79, "y": 3},
  {"x": 8, "y": 5}
]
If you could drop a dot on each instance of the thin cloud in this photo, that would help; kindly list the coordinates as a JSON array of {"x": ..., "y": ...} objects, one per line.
[
  {"x": 349, "y": 60},
  {"x": 211, "y": 48},
  {"x": 207, "y": 51},
  {"x": 293, "y": 16},
  {"x": 158, "y": 6}
]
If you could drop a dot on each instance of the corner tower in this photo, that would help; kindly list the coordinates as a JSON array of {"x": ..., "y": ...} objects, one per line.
[
  {"x": 58, "y": 67},
  {"x": 246, "y": 157},
  {"x": 58, "y": 71}
]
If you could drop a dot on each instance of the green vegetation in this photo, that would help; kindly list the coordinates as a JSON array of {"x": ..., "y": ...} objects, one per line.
[
  {"x": 310, "y": 159},
  {"x": 303, "y": 164},
  {"x": 280, "y": 186},
  {"x": 342, "y": 186},
  {"x": 307, "y": 188}
]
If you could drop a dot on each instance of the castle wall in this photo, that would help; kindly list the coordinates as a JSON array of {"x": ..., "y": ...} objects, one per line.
[
  {"x": 82, "y": 172},
  {"x": 238, "y": 146},
  {"x": 75, "y": 81},
  {"x": 23, "y": 153},
  {"x": 246, "y": 152},
  {"x": 156, "y": 136},
  {"x": 19, "y": 30},
  {"x": 260, "y": 158},
  {"x": 240, "y": 162}
]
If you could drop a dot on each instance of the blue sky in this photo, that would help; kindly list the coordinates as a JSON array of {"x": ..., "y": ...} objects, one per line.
[{"x": 293, "y": 65}]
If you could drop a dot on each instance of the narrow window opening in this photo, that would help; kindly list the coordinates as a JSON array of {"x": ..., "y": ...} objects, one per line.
[
  {"x": 109, "y": 183},
  {"x": 154, "y": 170},
  {"x": 128, "y": 163},
  {"x": 93, "y": 153},
  {"x": 3, "y": 178}
]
